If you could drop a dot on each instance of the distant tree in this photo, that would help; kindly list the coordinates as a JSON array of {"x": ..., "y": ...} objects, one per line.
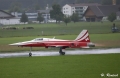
[
  {"x": 24, "y": 18},
  {"x": 66, "y": 20},
  {"x": 75, "y": 17},
  {"x": 56, "y": 13},
  {"x": 40, "y": 18},
  {"x": 59, "y": 18},
  {"x": 112, "y": 17}
]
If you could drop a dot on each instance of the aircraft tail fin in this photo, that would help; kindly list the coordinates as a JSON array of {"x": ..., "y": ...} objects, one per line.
[{"x": 83, "y": 36}]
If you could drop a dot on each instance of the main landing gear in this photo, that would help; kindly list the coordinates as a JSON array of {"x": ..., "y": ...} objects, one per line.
[
  {"x": 61, "y": 51},
  {"x": 30, "y": 53}
]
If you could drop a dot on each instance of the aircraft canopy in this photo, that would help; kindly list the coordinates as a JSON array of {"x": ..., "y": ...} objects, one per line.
[{"x": 38, "y": 39}]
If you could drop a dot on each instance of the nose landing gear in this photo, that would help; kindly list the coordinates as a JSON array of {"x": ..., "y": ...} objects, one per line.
[{"x": 30, "y": 53}]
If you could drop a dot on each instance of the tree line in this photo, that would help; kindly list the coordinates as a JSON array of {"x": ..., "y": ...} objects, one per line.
[
  {"x": 24, "y": 18},
  {"x": 57, "y": 15}
]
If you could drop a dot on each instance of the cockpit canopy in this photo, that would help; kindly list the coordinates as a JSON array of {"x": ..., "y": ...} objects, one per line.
[{"x": 38, "y": 39}]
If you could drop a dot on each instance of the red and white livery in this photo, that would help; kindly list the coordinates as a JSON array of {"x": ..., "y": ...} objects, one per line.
[{"x": 82, "y": 41}]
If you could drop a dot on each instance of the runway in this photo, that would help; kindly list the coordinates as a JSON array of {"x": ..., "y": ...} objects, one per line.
[{"x": 56, "y": 53}]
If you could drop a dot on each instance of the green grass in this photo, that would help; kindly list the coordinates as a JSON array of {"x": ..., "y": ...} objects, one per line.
[
  {"x": 79, "y": 66},
  {"x": 59, "y": 29},
  {"x": 107, "y": 40},
  {"x": 100, "y": 33},
  {"x": 102, "y": 41},
  {"x": 93, "y": 37},
  {"x": 76, "y": 66}
]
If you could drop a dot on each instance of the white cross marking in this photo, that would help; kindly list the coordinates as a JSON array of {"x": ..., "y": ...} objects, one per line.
[{"x": 87, "y": 39}]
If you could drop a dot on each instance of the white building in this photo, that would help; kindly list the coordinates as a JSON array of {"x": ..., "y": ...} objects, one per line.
[
  {"x": 69, "y": 9},
  {"x": 8, "y": 19},
  {"x": 32, "y": 15}
]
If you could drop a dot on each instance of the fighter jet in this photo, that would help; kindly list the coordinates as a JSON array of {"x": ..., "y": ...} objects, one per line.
[{"x": 82, "y": 41}]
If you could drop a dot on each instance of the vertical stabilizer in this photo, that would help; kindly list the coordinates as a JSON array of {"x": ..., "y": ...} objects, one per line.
[{"x": 83, "y": 36}]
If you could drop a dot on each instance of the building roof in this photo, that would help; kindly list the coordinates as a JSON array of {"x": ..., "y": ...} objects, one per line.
[
  {"x": 104, "y": 10},
  {"x": 44, "y": 11},
  {"x": 4, "y": 14},
  {"x": 31, "y": 11},
  {"x": 96, "y": 11},
  {"x": 84, "y": 4}
]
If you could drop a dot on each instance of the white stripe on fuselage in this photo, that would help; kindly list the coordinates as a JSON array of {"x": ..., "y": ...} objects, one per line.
[{"x": 35, "y": 42}]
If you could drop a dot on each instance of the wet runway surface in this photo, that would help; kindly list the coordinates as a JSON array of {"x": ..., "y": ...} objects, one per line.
[{"x": 56, "y": 53}]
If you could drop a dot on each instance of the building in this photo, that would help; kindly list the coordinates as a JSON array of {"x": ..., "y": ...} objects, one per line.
[
  {"x": 32, "y": 14},
  {"x": 7, "y": 18},
  {"x": 118, "y": 15},
  {"x": 80, "y": 9},
  {"x": 45, "y": 15},
  {"x": 99, "y": 13}
]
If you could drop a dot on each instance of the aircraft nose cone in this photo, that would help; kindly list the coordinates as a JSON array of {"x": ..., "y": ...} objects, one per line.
[
  {"x": 16, "y": 44},
  {"x": 21, "y": 43},
  {"x": 11, "y": 44}
]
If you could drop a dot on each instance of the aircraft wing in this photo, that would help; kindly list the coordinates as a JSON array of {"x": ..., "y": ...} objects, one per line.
[{"x": 57, "y": 46}]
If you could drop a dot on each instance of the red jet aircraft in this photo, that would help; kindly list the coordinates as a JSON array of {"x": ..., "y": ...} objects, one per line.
[{"x": 82, "y": 41}]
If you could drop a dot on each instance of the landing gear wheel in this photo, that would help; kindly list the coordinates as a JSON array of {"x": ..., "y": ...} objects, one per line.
[
  {"x": 61, "y": 53},
  {"x": 30, "y": 54}
]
